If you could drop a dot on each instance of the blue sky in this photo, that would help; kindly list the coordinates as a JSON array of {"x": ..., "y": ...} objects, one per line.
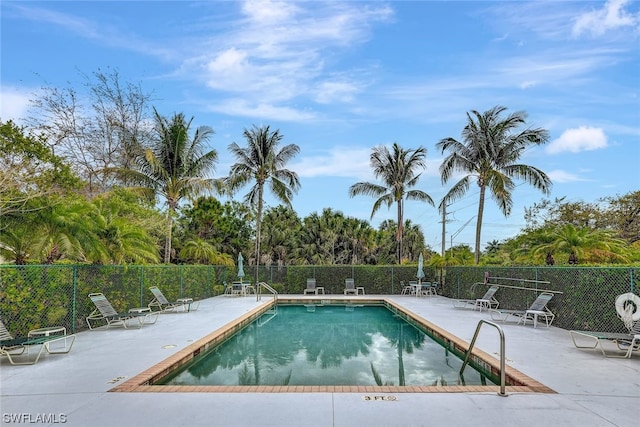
[{"x": 340, "y": 78}]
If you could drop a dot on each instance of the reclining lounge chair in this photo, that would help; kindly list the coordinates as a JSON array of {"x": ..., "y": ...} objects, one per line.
[
  {"x": 42, "y": 338},
  {"x": 104, "y": 312},
  {"x": 537, "y": 309},
  {"x": 163, "y": 305},
  {"x": 487, "y": 301},
  {"x": 626, "y": 342}
]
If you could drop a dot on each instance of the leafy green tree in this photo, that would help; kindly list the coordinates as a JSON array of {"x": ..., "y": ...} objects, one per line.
[
  {"x": 398, "y": 170},
  {"x": 225, "y": 226},
  {"x": 17, "y": 242},
  {"x": 622, "y": 214},
  {"x": 281, "y": 234},
  {"x": 360, "y": 241},
  {"x": 68, "y": 230},
  {"x": 413, "y": 241},
  {"x": 30, "y": 171},
  {"x": 386, "y": 243},
  {"x": 200, "y": 251},
  {"x": 583, "y": 244},
  {"x": 619, "y": 214},
  {"x": 262, "y": 162},
  {"x": 124, "y": 231},
  {"x": 490, "y": 149},
  {"x": 175, "y": 166}
]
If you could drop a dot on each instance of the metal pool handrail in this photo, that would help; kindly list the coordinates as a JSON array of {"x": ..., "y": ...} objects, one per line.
[
  {"x": 502, "y": 356},
  {"x": 267, "y": 287}
]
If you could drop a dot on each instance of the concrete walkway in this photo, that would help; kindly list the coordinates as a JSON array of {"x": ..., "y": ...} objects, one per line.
[{"x": 72, "y": 389}]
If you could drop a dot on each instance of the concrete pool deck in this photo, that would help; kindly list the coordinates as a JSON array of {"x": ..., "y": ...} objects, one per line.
[{"x": 73, "y": 389}]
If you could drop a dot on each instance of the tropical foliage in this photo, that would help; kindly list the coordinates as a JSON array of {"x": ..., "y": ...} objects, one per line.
[
  {"x": 263, "y": 162},
  {"x": 174, "y": 166},
  {"x": 398, "y": 170},
  {"x": 489, "y": 151},
  {"x": 84, "y": 183}
]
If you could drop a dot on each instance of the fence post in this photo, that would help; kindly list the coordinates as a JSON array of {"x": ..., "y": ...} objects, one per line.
[
  {"x": 392, "y": 281},
  {"x": 141, "y": 285},
  {"x": 74, "y": 281},
  {"x": 181, "y": 280}
]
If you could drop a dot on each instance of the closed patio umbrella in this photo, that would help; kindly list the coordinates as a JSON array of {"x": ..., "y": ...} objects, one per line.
[
  {"x": 420, "y": 273},
  {"x": 240, "y": 267}
]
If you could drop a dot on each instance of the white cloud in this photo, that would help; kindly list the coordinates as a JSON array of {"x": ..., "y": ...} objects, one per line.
[
  {"x": 278, "y": 51},
  {"x": 339, "y": 161},
  {"x": 583, "y": 138},
  {"x": 14, "y": 103},
  {"x": 267, "y": 11},
  {"x": 610, "y": 17},
  {"x": 560, "y": 176},
  {"x": 241, "y": 107},
  {"x": 341, "y": 91}
]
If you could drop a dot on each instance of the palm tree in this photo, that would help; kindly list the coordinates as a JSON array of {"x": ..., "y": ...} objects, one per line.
[
  {"x": 583, "y": 244},
  {"x": 69, "y": 230},
  {"x": 175, "y": 166},
  {"x": 124, "y": 240},
  {"x": 397, "y": 170},
  {"x": 262, "y": 162},
  {"x": 490, "y": 149},
  {"x": 200, "y": 251}
]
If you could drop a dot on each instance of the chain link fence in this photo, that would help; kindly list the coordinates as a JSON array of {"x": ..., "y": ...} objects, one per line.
[
  {"x": 35, "y": 296},
  {"x": 584, "y": 297}
]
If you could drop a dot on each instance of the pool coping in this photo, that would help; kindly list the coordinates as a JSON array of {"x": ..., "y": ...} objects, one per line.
[{"x": 144, "y": 381}]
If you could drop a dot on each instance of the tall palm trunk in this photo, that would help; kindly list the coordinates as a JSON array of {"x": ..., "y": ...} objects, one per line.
[
  {"x": 479, "y": 224},
  {"x": 399, "y": 233},
  {"x": 167, "y": 239},
  {"x": 259, "y": 228}
]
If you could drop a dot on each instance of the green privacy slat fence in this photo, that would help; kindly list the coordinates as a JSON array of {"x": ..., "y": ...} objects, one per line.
[{"x": 35, "y": 296}]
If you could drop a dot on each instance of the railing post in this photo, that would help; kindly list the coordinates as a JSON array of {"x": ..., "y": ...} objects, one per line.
[{"x": 502, "y": 354}]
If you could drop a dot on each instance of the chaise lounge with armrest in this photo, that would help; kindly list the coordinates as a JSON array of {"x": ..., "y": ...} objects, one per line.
[
  {"x": 538, "y": 309},
  {"x": 487, "y": 301},
  {"x": 105, "y": 313},
  {"x": 628, "y": 308},
  {"x": 163, "y": 305},
  {"x": 11, "y": 346}
]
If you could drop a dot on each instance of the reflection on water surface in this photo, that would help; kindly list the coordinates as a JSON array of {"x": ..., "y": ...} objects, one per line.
[{"x": 327, "y": 345}]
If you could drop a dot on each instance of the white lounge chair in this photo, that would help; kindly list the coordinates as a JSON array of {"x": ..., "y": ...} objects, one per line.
[
  {"x": 626, "y": 342},
  {"x": 43, "y": 338},
  {"x": 538, "y": 309},
  {"x": 160, "y": 301},
  {"x": 105, "y": 313},
  {"x": 487, "y": 301},
  {"x": 312, "y": 288}
]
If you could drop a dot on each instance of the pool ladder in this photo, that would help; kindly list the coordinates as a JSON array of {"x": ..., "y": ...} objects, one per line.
[
  {"x": 268, "y": 287},
  {"x": 502, "y": 356}
]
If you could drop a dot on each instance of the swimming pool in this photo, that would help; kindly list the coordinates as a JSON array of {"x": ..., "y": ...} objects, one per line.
[
  {"x": 332, "y": 344},
  {"x": 148, "y": 380}
]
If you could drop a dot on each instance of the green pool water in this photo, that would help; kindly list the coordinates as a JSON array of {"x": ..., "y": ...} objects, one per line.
[{"x": 327, "y": 345}]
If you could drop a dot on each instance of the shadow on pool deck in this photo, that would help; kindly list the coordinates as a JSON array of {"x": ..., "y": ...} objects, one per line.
[{"x": 590, "y": 390}]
